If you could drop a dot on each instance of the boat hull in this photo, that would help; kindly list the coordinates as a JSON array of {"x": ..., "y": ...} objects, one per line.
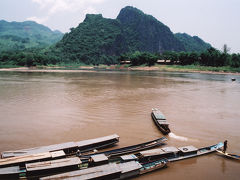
[
  {"x": 230, "y": 156},
  {"x": 163, "y": 128}
]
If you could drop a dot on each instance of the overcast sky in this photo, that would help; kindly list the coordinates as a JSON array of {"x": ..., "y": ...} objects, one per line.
[{"x": 215, "y": 21}]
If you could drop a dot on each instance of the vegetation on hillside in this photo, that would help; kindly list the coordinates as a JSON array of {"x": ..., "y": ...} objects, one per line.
[
  {"x": 28, "y": 34},
  {"x": 100, "y": 40},
  {"x": 192, "y": 43},
  {"x": 133, "y": 36}
]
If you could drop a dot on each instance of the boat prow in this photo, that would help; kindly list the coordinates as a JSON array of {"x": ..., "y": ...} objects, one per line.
[{"x": 228, "y": 155}]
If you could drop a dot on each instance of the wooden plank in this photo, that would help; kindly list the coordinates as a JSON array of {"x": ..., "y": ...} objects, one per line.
[{"x": 53, "y": 164}]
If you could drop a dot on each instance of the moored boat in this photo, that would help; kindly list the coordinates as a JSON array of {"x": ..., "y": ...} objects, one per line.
[
  {"x": 112, "y": 171},
  {"x": 175, "y": 154},
  {"x": 160, "y": 120},
  {"x": 68, "y": 148},
  {"x": 130, "y": 149}
]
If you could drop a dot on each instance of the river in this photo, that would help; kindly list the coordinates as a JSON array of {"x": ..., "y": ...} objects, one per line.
[{"x": 40, "y": 108}]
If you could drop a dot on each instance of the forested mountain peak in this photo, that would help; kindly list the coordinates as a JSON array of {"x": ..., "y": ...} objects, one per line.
[
  {"x": 20, "y": 35},
  {"x": 192, "y": 43}
]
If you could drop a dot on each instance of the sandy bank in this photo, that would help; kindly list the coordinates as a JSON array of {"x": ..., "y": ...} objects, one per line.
[{"x": 92, "y": 69}]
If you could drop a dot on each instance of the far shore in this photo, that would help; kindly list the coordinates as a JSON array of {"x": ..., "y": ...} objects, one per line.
[{"x": 162, "y": 68}]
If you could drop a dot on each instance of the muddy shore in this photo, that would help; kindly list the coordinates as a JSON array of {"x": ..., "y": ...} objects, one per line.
[{"x": 96, "y": 68}]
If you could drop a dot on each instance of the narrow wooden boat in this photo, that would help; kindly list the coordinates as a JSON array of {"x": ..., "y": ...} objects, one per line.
[
  {"x": 175, "y": 154},
  {"x": 228, "y": 155},
  {"x": 129, "y": 149},
  {"x": 160, "y": 120},
  {"x": 31, "y": 169},
  {"x": 68, "y": 148},
  {"x": 111, "y": 171}
]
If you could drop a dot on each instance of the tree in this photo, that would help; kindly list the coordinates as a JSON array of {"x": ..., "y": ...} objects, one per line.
[{"x": 226, "y": 49}]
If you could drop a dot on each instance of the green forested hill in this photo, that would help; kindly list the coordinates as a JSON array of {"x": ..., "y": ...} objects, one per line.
[
  {"x": 28, "y": 34},
  {"x": 192, "y": 43},
  {"x": 101, "y": 40},
  {"x": 96, "y": 40},
  {"x": 145, "y": 33}
]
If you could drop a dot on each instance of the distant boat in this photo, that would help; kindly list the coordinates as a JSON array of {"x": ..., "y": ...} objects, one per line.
[
  {"x": 160, "y": 121},
  {"x": 175, "y": 154},
  {"x": 228, "y": 155}
]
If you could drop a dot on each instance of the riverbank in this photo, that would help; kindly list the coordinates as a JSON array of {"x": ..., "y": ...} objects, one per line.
[{"x": 164, "y": 68}]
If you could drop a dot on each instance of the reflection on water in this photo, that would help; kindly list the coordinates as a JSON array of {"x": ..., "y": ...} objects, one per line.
[{"x": 46, "y": 108}]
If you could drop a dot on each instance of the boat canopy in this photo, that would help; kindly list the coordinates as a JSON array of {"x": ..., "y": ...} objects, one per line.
[
  {"x": 170, "y": 149},
  {"x": 99, "y": 158},
  {"x": 186, "y": 149},
  {"x": 129, "y": 157},
  {"x": 158, "y": 114},
  {"x": 153, "y": 152},
  {"x": 53, "y": 164}
]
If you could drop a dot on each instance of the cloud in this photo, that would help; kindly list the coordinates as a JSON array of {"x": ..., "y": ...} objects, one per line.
[
  {"x": 38, "y": 20},
  {"x": 89, "y": 10},
  {"x": 56, "y": 6}
]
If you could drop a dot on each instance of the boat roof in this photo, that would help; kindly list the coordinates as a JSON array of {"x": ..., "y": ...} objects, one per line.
[
  {"x": 158, "y": 114},
  {"x": 9, "y": 170},
  {"x": 37, "y": 150},
  {"x": 128, "y": 157},
  {"x": 129, "y": 166},
  {"x": 98, "y": 171},
  {"x": 170, "y": 149},
  {"x": 97, "y": 140},
  {"x": 32, "y": 157},
  {"x": 162, "y": 122},
  {"x": 56, "y": 147},
  {"x": 53, "y": 164},
  {"x": 89, "y": 173},
  {"x": 99, "y": 158},
  {"x": 188, "y": 149},
  {"x": 152, "y": 152}
]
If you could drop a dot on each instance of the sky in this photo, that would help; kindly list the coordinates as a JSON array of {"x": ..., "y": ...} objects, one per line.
[{"x": 215, "y": 21}]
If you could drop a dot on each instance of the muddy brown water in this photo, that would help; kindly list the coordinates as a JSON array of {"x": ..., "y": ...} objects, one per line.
[{"x": 39, "y": 109}]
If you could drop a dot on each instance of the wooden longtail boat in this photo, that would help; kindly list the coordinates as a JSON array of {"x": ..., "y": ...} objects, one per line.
[
  {"x": 228, "y": 155},
  {"x": 68, "y": 148},
  {"x": 112, "y": 171},
  {"x": 160, "y": 120},
  {"x": 50, "y": 167},
  {"x": 129, "y": 149},
  {"x": 175, "y": 154}
]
